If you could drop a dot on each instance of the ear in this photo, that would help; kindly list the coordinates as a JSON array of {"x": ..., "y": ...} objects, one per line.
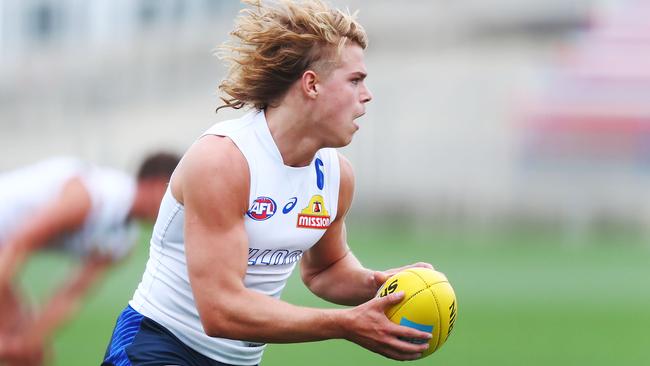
[{"x": 309, "y": 82}]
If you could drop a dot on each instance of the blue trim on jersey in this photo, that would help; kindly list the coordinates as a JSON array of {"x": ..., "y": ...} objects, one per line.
[
  {"x": 414, "y": 325},
  {"x": 320, "y": 177},
  {"x": 126, "y": 328}
]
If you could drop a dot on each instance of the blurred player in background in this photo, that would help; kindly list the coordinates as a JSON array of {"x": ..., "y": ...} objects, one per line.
[
  {"x": 67, "y": 205},
  {"x": 254, "y": 196}
]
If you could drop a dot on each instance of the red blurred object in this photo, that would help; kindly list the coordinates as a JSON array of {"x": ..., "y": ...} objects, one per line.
[{"x": 595, "y": 103}]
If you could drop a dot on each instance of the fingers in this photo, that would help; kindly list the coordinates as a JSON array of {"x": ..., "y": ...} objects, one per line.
[
  {"x": 371, "y": 329},
  {"x": 380, "y": 278},
  {"x": 8, "y": 346},
  {"x": 389, "y": 300},
  {"x": 400, "y": 342},
  {"x": 399, "y": 331},
  {"x": 15, "y": 350},
  {"x": 419, "y": 265},
  {"x": 404, "y": 348},
  {"x": 411, "y": 335},
  {"x": 399, "y": 356}
]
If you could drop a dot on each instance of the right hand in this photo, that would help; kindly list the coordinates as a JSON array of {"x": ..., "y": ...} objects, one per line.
[{"x": 369, "y": 327}]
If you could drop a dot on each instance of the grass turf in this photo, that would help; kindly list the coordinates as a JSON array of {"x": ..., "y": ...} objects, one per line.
[{"x": 523, "y": 299}]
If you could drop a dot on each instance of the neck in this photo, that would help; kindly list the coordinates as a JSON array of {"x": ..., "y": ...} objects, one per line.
[{"x": 293, "y": 134}]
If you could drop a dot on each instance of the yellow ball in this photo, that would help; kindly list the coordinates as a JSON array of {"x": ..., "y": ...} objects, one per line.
[{"x": 429, "y": 304}]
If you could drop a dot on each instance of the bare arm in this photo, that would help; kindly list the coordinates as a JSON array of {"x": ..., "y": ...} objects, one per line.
[
  {"x": 68, "y": 298},
  {"x": 29, "y": 345},
  {"x": 65, "y": 213},
  {"x": 330, "y": 270},
  {"x": 212, "y": 182}
]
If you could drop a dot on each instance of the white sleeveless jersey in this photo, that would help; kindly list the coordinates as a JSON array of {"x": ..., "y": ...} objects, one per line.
[
  {"x": 289, "y": 211},
  {"x": 105, "y": 230}
]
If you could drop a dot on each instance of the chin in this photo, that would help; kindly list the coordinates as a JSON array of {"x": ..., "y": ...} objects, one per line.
[
  {"x": 340, "y": 142},
  {"x": 346, "y": 141}
]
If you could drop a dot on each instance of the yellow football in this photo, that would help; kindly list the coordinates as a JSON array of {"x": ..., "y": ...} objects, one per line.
[{"x": 429, "y": 304}]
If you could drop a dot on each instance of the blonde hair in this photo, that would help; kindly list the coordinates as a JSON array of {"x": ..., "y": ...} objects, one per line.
[{"x": 276, "y": 43}]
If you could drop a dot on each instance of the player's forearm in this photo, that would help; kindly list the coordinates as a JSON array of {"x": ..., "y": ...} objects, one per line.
[
  {"x": 53, "y": 314},
  {"x": 67, "y": 299},
  {"x": 254, "y": 317},
  {"x": 345, "y": 282},
  {"x": 17, "y": 249},
  {"x": 11, "y": 257}
]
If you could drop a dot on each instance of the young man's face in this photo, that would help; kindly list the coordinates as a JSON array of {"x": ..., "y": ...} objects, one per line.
[{"x": 342, "y": 97}]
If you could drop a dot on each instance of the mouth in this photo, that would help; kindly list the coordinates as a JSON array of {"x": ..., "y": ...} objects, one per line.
[{"x": 354, "y": 123}]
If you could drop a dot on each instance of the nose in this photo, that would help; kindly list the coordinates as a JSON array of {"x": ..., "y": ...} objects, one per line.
[{"x": 366, "y": 95}]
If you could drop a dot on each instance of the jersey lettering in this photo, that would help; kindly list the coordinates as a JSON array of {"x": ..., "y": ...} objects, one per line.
[{"x": 272, "y": 257}]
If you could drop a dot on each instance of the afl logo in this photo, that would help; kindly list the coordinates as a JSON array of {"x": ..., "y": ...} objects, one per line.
[{"x": 263, "y": 208}]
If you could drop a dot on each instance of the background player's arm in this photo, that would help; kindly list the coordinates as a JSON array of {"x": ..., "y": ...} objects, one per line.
[
  {"x": 330, "y": 270},
  {"x": 212, "y": 182},
  {"x": 68, "y": 298},
  {"x": 33, "y": 335},
  {"x": 67, "y": 212}
]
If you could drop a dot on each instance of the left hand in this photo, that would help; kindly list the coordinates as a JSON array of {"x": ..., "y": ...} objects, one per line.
[
  {"x": 22, "y": 350},
  {"x": 381, "y": 276}
]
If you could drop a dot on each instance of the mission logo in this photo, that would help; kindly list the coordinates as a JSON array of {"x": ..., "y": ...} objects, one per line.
[{"x": 314, "y": 216}]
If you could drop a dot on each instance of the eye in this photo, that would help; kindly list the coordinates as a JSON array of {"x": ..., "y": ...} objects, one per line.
[{"x": 355, "y": 81}]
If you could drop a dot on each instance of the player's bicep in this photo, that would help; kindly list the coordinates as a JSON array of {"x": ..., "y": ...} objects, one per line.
[
  {"x": 210, "y": 246},
  {"x": 214, "y": 185}
]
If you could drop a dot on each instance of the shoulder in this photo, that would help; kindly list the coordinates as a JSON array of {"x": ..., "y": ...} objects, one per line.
[
  {"x": 346, "y": 186},
  {"x": 233, "y": 126},
  {"x": 212, "y": 164},
  {"x": 347, "y": 172}
]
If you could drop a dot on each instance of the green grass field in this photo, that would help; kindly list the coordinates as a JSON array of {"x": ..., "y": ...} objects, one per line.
[{"x": 523, "y": 299}]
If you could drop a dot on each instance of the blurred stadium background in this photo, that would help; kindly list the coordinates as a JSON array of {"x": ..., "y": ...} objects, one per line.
[{"x": 508, "y": 143}]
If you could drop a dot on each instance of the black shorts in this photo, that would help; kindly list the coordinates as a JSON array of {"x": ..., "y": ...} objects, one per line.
[{"x": 140, "y": 341}]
